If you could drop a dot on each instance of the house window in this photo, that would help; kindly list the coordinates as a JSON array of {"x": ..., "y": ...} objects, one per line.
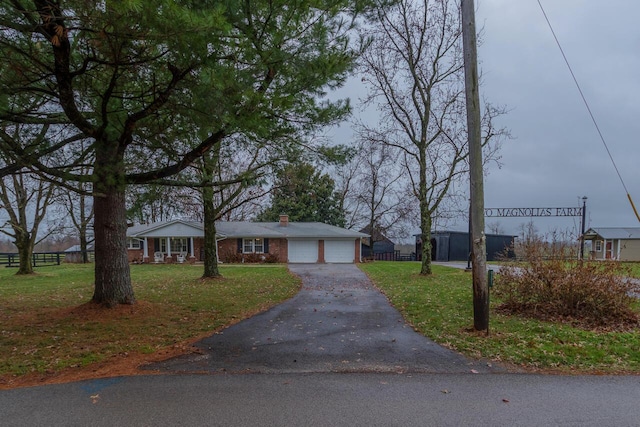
[
  {"x": 250, "y": 246},
  {"x": 178, "y": 244},
  {"x": 598, "y": 245},
  {"x": 134, "y": 244}
]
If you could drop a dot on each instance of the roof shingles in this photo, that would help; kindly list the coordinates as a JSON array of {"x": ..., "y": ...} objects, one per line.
[{"x": 233, "y": 229}]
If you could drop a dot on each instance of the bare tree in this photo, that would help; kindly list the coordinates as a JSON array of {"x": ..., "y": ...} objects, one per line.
[
  {"x": 414, "y": 72},
  {"x": 371, "y": 186},
  {"x": 79, "y": 209},
  {"x": 495, "y": 228},
  {"x": 346, "y": 177},
  {"x": 25, "y": 198},
  {"x": 151, "y": 203},
  {"x": 529, "y": 233},
  {"x": 231, "y": 178}
]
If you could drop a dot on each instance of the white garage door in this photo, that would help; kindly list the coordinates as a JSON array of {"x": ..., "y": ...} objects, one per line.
[
  {"x": 303, "y": 251},
  {"x": 339, "y": 251}
]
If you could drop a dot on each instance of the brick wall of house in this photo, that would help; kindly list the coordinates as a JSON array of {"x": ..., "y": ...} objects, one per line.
[
  {"x": 277, "y": 247},
  {"x": 198, "y": 249},
  {"x": 321, "y": 252},
  {"x": 135, "y": 255},
  {"x": 227, "y": 247}
]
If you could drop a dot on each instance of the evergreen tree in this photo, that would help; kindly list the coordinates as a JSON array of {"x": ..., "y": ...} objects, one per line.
[{"x": 304, "y": 194}]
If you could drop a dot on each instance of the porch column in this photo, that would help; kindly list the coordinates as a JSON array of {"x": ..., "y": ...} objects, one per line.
[
  {"x": 169, "y": 259},
  {"x": 191, "y": 250},
  {"x": 619, "y": 248},
  {"x": 604, "y": 249},
  {"x": 145, "y": 250}
]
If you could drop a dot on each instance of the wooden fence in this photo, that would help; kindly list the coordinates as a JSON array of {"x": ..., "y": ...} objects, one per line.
[{"x": 38, "y": 259}]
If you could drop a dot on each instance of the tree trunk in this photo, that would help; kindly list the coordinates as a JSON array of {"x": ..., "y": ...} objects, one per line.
[
  {"x": 112, "y": 275},
  {"x": 84, "y": 246},
  {"x": 372, "y": 239},
  {"x": 425, "y": 235},
  {"x": 425, "y": 215},
  {"x": 83, "y": 231},
  {"x": 211, "y": 269},
  {"x": 25, "y": 253}
]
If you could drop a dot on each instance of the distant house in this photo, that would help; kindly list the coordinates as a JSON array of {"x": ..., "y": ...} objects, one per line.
[
  {"x": 74, "y": 253},
  {"x": 615, "y": 243},
  {"x": 283, "y": 241},
  {"x": 454, "y": 246},
  {"x": 383, "y": 249}
]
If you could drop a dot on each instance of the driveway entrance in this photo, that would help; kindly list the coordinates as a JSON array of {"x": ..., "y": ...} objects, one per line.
[{"x": 338, "y": 322}]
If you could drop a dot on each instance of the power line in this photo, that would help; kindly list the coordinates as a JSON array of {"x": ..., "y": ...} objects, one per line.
[{"x": 586, "y": 104}]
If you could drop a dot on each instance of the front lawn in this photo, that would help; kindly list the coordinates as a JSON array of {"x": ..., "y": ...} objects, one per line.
[
  {"x": 47, "y": 329},
  {"x": 441, "y": 307}
]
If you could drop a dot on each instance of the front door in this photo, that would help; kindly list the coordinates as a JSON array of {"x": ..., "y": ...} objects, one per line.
[{"x": 608, "y": 251}]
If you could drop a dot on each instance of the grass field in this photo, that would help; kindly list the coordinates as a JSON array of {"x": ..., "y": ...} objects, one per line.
[
  {"x": 47, "y": 327},
  {"x": 441, "y": 308}
]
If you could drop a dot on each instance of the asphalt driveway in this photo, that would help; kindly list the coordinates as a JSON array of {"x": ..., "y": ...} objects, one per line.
[{"x": 338, "y": 322}]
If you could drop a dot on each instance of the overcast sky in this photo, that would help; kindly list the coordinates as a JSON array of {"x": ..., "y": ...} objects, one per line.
[{"x": 556, "y": 156}]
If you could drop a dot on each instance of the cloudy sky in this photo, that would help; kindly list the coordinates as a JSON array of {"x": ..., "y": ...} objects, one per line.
[{"x": 556, "y": 156}]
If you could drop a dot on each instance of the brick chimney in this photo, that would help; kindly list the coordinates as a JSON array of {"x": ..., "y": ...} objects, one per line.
[{"x": 284, "y": 220}]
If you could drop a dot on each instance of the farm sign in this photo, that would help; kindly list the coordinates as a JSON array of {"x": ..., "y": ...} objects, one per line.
[{"x": 531, "y": 212}]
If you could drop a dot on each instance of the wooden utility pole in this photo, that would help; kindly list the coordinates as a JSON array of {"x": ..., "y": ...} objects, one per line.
[
  {"x": 478, "y": 249},
  {"x": 584, "y": 220}
]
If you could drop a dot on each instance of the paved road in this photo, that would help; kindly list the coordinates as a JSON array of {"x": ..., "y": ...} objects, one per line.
[
  {"x": 335, "y": 355},
  {"x": 329, "y": 399}
]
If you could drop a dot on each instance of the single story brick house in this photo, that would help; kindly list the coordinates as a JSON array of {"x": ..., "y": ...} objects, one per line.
[
  {"x": 283, "y": 241},
  {"x": 615, "y": 243}
]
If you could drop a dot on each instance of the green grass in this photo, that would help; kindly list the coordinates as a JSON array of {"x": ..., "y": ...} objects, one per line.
[
  {"x": 634, "y": 268},
  {"x": 440, "y": 307},
  {"x": 44, "y": 330}
]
